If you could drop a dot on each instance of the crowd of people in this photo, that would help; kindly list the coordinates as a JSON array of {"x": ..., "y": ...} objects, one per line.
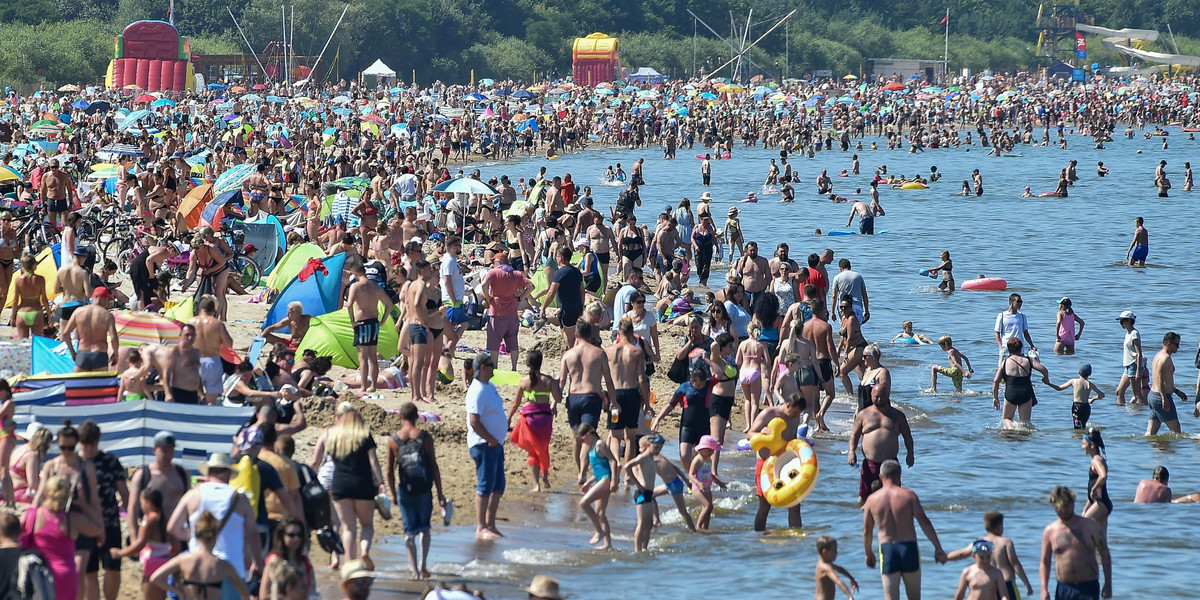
[{"x": 369, "y": 173}]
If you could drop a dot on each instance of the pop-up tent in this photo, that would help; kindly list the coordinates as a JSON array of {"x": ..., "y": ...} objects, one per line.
[
  {"x": 293, "y": 261},
  {"x": 378, "y": 69},
  {"x": 332, "y": 334},
  {"x": 47, "y": 267},
  {"x": 647, "y": 75},
  {"x": 320, "y": 293},
  {"x": 267, "y": 236}
]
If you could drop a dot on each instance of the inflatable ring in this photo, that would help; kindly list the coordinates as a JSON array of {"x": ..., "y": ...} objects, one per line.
[
  {"x": 994, "y": 284},
  {"x": 912, "y": 185},
  {"x": 773, "y": 442},
  {"x": 788, "y": 478}
]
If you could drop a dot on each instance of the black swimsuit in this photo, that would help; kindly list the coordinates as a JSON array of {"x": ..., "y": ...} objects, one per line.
[
  {"x": 1104, "y": 499},
  {"x": 633, "y": 247},
  {"x": 1018, "y": 389}
]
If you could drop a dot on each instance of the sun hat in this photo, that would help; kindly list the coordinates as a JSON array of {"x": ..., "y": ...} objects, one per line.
[
  {"x": 356, "y": 569},
  {"x": 218, "y": 460},
  {"x": 708, "y": 442},
  {"x": 544, "y": 586}
]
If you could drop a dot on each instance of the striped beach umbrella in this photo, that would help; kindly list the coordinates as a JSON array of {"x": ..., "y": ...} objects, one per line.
[{"x": 136, "y": 328}]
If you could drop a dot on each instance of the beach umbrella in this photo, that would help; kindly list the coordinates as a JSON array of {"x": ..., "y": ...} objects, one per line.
[
  {"x": 252, "y": 98},
  {"x": 7, "y": 173},
  {"x": 275, "y": 100},
  {"x": 894, "y": 86},
  {"x": 98, "y": 106},
  {"x": 730, "y": 88},
  {"x": 708, "y": 96},
  {"x": 342, "y": 111},
  {"x": 132, "y": 118},
  {"x": 476, "y": 96},
  {"x": 341, "y": 100},
  {"x": 217, "y": 86},
  {"x": 376, "y": 119},
  {"x": 351, "y": 183},
  {"x": 79, "y": 104},
  {"x": 556, "y": 92},
  {"x": 163, "y": 102},
  {"x": 522, "y": 94},
  {"x": 465, "y": 185},
  {"x": 233, "y": 178},
  {"x": 259, "y": 86},
  {"x": 604, "y": 92},
  {"x": 136, "y": 328},
  {"x": 70, "y": 87},
  {"x": 237, "y": 89},
  {"x": 113, "y": 151},
  {"x": 144, "y": 98}
]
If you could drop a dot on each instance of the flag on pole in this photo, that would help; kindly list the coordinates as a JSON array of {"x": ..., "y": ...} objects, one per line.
[
  {"x": 946, "y": 18},
  {"x": 171, "y": 12}
]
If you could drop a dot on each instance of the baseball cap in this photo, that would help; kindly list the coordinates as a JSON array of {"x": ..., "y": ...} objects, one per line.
[
  {"x": 101, "y": 292},
  {"x": 250, "y": 437},
  {"x": 80, "y": 251},
  {"x": 484, "y": 358},
  {"x": 1128, "y": 314},
  {"x": 164, "y": 439}
]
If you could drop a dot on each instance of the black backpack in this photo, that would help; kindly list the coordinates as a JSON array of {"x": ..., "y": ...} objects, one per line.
[
  {"x": 412, "y": 465},
  {"x": 314, "y": 499},
  {"x": 625, "y": 202}
]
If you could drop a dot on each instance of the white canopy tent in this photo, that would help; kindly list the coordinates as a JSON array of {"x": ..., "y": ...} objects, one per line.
[{"x": 378, "y": 69}]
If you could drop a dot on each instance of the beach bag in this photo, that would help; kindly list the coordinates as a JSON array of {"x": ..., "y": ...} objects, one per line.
[
  {"x": 34, "y": 579},
  {"x": 248, "y": 481},
  {"x": 314, "y": 499},
  {"x": 412, "y": 465},
  {"x": 679, "y": 370}
]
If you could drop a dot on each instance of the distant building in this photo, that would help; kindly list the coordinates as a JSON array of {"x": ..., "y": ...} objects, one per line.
[{"x": 905, "y": 69}]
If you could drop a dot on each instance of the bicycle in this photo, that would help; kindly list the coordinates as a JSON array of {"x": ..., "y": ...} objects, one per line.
[
  {"x": 248, "y": 272},
  {"x": 36, "y": 231}
]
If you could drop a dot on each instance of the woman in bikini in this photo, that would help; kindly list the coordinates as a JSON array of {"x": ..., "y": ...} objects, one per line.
[
  {"x": 8, "y": 441},
  {"x": 29, "y": 315},
  {"x": 369, "y": 218},
  {"x": 516, "y": 243},
  {"x": 852, "y": 344},
  {"x": 312, "y": 219},
  {"x": 537, "y": 398},
  {"x": 200, "y": 573},
  {"x": 807, "y": 378},
  {"x": 753, "y": 358},
  {"x": 8, "y": 252},
  {"x": 631, "y": 244}
]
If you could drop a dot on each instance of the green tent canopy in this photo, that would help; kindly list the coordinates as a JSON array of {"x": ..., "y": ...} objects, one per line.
[
  {"x": 332, "y": 335},
  {"x": 293, "y": 261}
]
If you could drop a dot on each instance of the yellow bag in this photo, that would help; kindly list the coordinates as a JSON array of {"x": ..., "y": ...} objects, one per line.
[{"x": 248, "y": 481}]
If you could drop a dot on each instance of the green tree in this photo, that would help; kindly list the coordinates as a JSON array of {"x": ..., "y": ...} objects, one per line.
[{"x": 502, "y": 57}]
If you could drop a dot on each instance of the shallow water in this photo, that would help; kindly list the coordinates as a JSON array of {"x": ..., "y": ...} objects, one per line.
[{"x": 966, "y": 465}]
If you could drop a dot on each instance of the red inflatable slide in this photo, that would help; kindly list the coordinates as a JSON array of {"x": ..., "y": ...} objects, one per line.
[{"x": 152, "y": 56}]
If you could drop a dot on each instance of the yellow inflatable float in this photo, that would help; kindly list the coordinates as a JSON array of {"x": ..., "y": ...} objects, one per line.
[
  {"x": 912, "y": 185},
  {"x": 789, "y": 475}
]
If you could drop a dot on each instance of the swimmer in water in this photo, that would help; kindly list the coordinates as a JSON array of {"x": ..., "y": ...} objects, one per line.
[
  {"x": 1101, "y": 170},
  {"x": 1139, "y": 248},
  {"x": 610, "y": 174},
  {"x": 906, "y": 331},
  {"x": 827, "y": 578},
  {"x": 1082, "y": 400},
  {"x": 960, "y": 365},
  {"x": 966, "y": 189},
  {"x": 1028, "y": 192}
]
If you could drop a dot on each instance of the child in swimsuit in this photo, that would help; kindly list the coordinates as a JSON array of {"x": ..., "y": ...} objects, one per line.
[
  {"x": 641, "y": 470},
  {"x": 597, "y": 489},
  {"x": 956, "y": 370},
  {"x": 133, "y": 380},
  {"x": 1081, "y": 387},
  {"x": 907, "y": 336},
  {"x": 752, "y": 356},
  {"x": 151, "y": 544},
  {"x": 703, "y": 478},
  {"x": 1065, "y": 330},
  {"x": 675, "y": 480}
]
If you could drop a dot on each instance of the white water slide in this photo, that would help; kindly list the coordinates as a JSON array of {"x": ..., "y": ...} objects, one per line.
[{"x": 1120, "y": 40}]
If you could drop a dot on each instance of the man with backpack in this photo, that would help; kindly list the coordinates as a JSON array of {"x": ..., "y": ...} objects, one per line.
[
  {"x": 237, "y": 536},
  {"x": 170, "y": 479},
  {"x": 410, "y": 455}
]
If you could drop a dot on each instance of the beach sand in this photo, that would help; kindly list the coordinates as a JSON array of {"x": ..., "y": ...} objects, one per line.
[{"x": 458, "y": 470}]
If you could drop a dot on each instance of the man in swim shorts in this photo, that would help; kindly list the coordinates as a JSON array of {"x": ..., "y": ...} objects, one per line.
[
  {"x": 1139, "y": 247},
  {"x": 1074, "y": 540},
  {"x": 211, "y": 334},
  {"x": 790, "y": 413},
  {"x": 880, "y": 427},
  {"x": 894, "y": 509},
  {"x": 589, "y": 387},
  {"x": 181, "y": 373},
  {"x": 74, "y": 283},
  {"x": 96, "y": 330},
  {"x": 362, "y": 303},
  {"x": 1162, "y": 388}
]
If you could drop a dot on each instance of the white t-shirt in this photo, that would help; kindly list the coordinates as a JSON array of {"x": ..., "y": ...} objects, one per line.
[
  {"x": 621, "y": 303},
  {"x": 451, "y": 268},
  {"x": 1129, "y": 350},
  {"x": 1010, "y": 325},
  {"x": 485, "y": 401}
]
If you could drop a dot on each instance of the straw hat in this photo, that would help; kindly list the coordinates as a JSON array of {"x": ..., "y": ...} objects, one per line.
[
  {"x": 706, "y": 197},
  {"x": 218, "y": 460},
  {"x": 544, "y": 586}
]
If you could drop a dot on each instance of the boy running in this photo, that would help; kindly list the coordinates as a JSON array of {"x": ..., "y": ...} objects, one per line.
[{"x": 956, "y": 370}]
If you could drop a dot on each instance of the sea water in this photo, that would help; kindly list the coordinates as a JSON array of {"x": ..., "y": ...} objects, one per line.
[{"x": 966, "y": 464}]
